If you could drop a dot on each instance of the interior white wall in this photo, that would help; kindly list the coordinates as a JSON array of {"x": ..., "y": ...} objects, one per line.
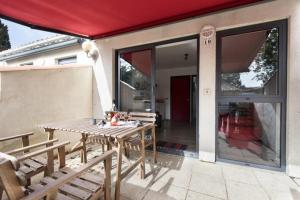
[
  {"x": 247, "y": 15},
  {"x": 163, "y": 90}
]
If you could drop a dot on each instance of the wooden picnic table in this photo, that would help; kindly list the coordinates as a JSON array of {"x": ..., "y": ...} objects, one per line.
[{"x": 113, "y": 137}]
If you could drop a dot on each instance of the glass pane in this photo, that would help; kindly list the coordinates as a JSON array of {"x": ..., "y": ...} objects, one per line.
[
  {"x": 250, "y": 132},
  {"x": 249, "y": 63},
  {"x": 135, "y": 81}
]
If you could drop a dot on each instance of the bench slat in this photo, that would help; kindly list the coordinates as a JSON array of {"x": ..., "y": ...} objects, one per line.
[
  {"x": 68, "y": 189},
  {"x": 26, "y": 170},
  {"x": 61, "y": 196},
  {"x": 47, "y": 180},
  {"x": 86, "y": 184},
  {"x": 35, "y": 187},
  {"x": 40, "y": 160},
  {"x": 57, "y": 174},
  {"x": 98, "y": 179},
  {"x": 75, "y": 191},
  {"x": 143, "y": 114},
  {"x": 32, "y": 164},
  {"x": 143, "y": 119}
]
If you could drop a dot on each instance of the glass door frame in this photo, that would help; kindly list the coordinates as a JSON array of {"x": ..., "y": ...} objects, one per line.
[
  {"x": 117, "y": 72},
  {"x": 152, "y": 46},
  {"x": 282, "y": 26}
]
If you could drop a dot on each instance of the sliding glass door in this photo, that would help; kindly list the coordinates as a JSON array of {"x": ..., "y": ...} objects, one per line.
[
  {"x": 251, "y": 96},
  {"x": 136, "y": 80}
]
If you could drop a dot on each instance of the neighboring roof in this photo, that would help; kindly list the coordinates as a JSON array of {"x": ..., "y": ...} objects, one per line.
[
  {"x": 102, "y": 18},
  {"x": 39, "y": 46}
]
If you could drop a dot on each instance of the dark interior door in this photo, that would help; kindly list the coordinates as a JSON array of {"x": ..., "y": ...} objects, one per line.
[{"x": 180, "y": 98}]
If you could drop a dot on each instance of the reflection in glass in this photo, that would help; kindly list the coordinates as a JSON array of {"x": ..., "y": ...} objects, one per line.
[
  {"x": 135, "y": 81},
  {"x": 249, "y": 132},
  {"x": 250, "y": 63}
]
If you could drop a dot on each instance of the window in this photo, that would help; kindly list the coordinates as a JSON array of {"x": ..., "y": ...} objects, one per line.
[
  {"x": 251, "y": 98},
  {"x": 67, "y": 60},
  {"x": 28, "y": 63},
  {"x": 250, "y": 63}
]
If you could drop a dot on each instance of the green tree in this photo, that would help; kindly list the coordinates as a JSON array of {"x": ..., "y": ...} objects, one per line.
[
  {"x": 4, "y": 37},
  {"x": 264, "y": 65},
  {"x": 233, "y": 78},
  {"x": 266, "y": 61},
  {"x": 132, "y": 76}
]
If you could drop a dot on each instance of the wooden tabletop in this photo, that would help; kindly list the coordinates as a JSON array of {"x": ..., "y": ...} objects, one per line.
[{"x": 86, "y": 126}]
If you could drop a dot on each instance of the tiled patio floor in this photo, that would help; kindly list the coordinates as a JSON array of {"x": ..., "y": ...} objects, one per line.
[{"x": 182, "y": 178}]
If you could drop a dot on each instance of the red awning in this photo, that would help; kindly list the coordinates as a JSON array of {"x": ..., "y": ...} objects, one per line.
[{"x": 101, "y": 18}]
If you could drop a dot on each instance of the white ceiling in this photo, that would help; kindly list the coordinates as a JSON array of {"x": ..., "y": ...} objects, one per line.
[
  {"x": 173, "y": 55},
  {"x": 238, "y": 52}
]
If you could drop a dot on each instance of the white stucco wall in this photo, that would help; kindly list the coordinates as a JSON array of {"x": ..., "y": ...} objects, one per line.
[
  {"x": 29, "y": 97},
  {"x": 257, "y": 13}
]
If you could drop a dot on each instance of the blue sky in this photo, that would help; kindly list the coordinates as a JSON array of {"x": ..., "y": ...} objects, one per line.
[{"x": 20, "y": 34}]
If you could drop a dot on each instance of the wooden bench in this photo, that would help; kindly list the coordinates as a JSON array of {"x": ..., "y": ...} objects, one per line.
[
  {"x": 66, "y": 183},
  {"x": 33, "y": 165}
]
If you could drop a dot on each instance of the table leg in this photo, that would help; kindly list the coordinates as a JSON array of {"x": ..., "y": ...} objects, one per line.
[
  {"x": 109, "y": 146},
  {"x": 50, "y": 154},
  {"x": 107, "y": 191},
  {"x": 102, "y": 146},
  {"x": 142, "y": 165},
  {"x": 119, "y": 169},
  {"x": 126, "y": 152},
  {"x": 50, "y": 133},
  {"x": 25, "y": 141},
  {"x": 154, "y": 145},
  {"x": 108, "y": 164},
  {"x": 83, "y": 153}
]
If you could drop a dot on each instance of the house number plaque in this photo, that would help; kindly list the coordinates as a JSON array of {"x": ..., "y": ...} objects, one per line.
[{"x": 207, "y": 33}]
